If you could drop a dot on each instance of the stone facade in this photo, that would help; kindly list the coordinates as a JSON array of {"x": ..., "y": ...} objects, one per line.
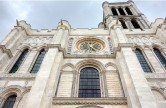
[{"x": 123, "y": 82}]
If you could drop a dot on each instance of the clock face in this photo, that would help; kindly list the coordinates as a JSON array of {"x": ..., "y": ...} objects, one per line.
[{"x": 90, "y": 45}]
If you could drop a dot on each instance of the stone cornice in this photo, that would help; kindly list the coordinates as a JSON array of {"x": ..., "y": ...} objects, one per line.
[
  {"x": 17, "y": 76},
  {"x": 122, "y": 45},
  {"x": 7, "y": 51},
  {"x": 90, "y": 101},
  {"x": 79, "y": 55},
  {"x": 155, "y": 76}
]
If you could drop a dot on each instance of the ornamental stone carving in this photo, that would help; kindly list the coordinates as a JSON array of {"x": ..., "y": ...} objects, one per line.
[{"x": 37, "y": 39}]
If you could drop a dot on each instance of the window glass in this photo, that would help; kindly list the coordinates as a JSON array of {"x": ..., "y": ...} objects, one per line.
[
  {"x": 10, "y": 102},
  {"x": 142, "y": 61},
  {"x": 89, "y": 83},
  {"x": 160, "y": 57},
  {"x": 19, "y": 61},
  {"x": 38, "y": 62}
]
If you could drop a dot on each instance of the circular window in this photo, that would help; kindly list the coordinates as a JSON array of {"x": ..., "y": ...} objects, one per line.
[{"x": 90, "y": 45}]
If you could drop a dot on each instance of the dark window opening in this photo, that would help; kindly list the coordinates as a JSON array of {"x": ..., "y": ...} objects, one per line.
[
  {"x": 10, "y": 101},
  {"x": 128, "y": 11},
  {"x": 114, "y": 12},
  {"x": 89, "y": 83},
  {"x": 135, "y": 24},
  {"x": 19, "y": 61},
  {"x": 38, "y": 62},
  {"x": 142, "y": 61},
  {"x": 160, "y": 57},
  {"x": 123, "y": 24},
  {"x": 121, "y": 11}
]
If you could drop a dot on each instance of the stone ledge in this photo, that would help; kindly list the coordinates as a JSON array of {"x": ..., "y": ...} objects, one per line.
[
  {"x": 90, "y": 101},
  {"x": 7, "y": 51},
  {"x": 17, "y": 76},
  {"x": 155, "y": 75}
]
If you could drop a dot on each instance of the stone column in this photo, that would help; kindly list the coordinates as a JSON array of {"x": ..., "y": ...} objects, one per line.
[
  {"x": 125, "y": 11},
  {"x": 57, "y": 37},
  {"x": 29, "y": 61},
  {"x": 146, "y": 26},
  {"x": 107, "y": 9},
  {"x": 134, "y": 9},
  {"x": 130, "y": 24},
  {"x": 108, "y": 15},
  {"x": 140, "y": 24},
  {"x": 127, "y": 24},
  {"x": 146, "y": 20},
  {"x": 136, "y": 88},
  {"x": 38, "y": 92},
  {"x": 119, "y": 34},
  {"x": 117, "y": 11},
  {"x": 153, "y": 60},
  {"x": 52, "y": 83}
]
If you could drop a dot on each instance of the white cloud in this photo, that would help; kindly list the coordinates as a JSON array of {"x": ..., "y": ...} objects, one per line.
[{"x": 80, "y": 14}]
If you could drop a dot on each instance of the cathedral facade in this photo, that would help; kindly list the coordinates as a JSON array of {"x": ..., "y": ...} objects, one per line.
[{"x": 120, "y": 64}]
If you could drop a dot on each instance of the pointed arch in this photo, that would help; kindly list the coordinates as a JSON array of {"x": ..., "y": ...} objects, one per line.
[
  {"x": 38, "y": 61},
  {"x": 90, "y": 62},
  {"x": 68, "y": 66},
  {"x": 89, "y": 83},
  {"x": 160, "y": 56},
  {"x": 111, "y": 66},
  {"x": 19, "y": 61},
  {"x": 90, "y": 66},
  {"x": 144, "y": 64},
  {"x": 10, "y": 101}
]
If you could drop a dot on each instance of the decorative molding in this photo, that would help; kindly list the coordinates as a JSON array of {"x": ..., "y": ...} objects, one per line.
[
  {"x": 155, "y": 76},
  {"x": 90, "y": 101},
  {"x": 37, "y": 39},
  {"x": 7, "y": 51},
  {"x": 17, "y": 76}
]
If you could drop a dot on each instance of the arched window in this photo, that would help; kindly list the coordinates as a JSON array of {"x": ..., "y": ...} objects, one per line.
[
  {"x": 160, "y": 57},
  {"x": 10, "y": 101},
  {"x": 142, "y": 61},
  {"x": 19, "y": 61},
  {"x": 121, "y": 11},
  {"x": 135, "y": 24},
  {"x": 38, "y": 61},
  {"x": 128, "y": 11},
  {"x": 89, "y": 83},
  {"x": 114, "y": 12},
  {"x": 123, "y": 24}
]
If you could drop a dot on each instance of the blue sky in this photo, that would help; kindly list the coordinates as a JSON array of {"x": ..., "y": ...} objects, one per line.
[{"x": 80, "y": 14}]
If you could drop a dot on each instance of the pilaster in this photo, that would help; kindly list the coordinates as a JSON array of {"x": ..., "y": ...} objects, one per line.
[
  {"x": 125, "y": 11},
  {"x": 136, "y": 87},
  {"x": 120, "y": 35},
  {"x": 37, "y": 93}
]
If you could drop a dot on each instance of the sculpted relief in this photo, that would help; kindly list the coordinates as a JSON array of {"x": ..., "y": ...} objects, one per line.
[
  {"x": 37, "y": 40},
  {"x": 147, "y": 40}
]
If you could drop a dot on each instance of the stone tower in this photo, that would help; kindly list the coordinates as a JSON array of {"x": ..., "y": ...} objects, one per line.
[{"x": 120, "y": 64}]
